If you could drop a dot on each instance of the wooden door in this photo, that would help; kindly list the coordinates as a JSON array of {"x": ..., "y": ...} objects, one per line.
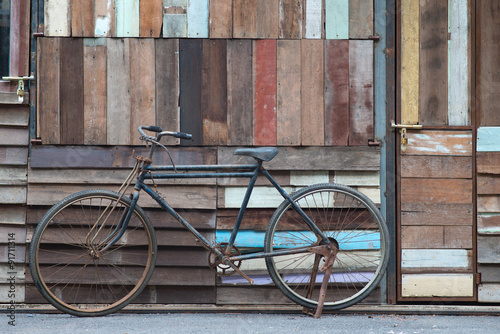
[{"x": 435, "y": 228}]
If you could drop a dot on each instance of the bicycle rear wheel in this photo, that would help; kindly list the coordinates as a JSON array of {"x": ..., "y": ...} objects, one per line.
[
  {"x": 352, "y": 223},
  {"x": 69, "y": 261}
]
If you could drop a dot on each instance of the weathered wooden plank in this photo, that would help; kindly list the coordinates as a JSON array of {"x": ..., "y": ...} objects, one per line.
[
  {"x": 313, "y": 90},
  {"x": 290, "y": 20},
  {"x": 57, "y": 18},
  {"x": 268, "y": 19},
  {"x": 13, "y": 214},
  {"x": 13, "y": 194},
  {"x": 313, "y": 19},
  {"x": 436, "y": 190},
  {"x": 175, "y": 18},
  {"x": 13, "y": 155},
  {"x": 433, "y": 62},
  {"x": 48, "y": 99},
  {"x": 231, "y": 295},
  {"x": 71, "y": 90},
  {"x": 20, "y": 37},
  {"x": 197, "y": 18},
  {"x": 245, "y": 18},
  {"x": 488, "y": 223},
  {"x": 118, "y": 92},
  {"x": 361, "y": 112},
  {"x": 488, "y": 203},
  {"x": 150, "y": 18},
  {"x": 357, "y": 178},
  {"x": 487, "y": 139},
  {"x": 336, "y": 19},
  {"x": 142, "y": 91},
  {"x": 336, "y": 92},
  {"x": 436, "y": 258},
  {"x": 458, "y": 237},
  {"x": 437, "y": 166},
  {"x": 306, "y": 178},
  {"x": 82, "y": 18},
  {"x": 104, "y": 12},
  {"x": 436, "y": 214},
  {"x": 487, "y": 83},
  {"x": 488, "y": 293},
  {"x": 360, "y": 18},
  {"x": 488, "y": 184},
  {"x": 488, "y": 247},
  {"x": 436, "y": 237},
  {"x": 221, "y": 19},
  {"x": 437, "y": 285},
  {"x": 127, "y": 18},
  {"x": 167, "y": 87},
  {"x": 458, "y": 63},
  {"x": 12, "y": 175},
  {"x": 214, "y": 92},
  {"x": 240, "y": 92},
  {"x": 47, "y": 156},
  {"x": 410, "y": 51},
  {"x": 439, "y": 143},
  {"x": 262, "y": 197},
  {"x": 489, "y": 273},
  {"x": 14, "y": 136},
  {"x": 314, "y": 158},
  {"x": 488, "y": 162},
  {"x": 14, "y": 115},
  {"x": 265, "y": 92},
  {"x": 289, "y": 76},
  {"x": 94, "y": 91},
  {"x": 190, "y": 69}
]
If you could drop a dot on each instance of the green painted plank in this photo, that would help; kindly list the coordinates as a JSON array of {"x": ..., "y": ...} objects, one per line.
[
  {"x": 127, "y": 18},
  {"x": 487, "y": 139},
  {"x": 337, "y": 19}
]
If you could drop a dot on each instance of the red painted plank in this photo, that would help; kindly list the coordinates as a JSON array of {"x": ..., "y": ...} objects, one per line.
[{"x": 265, "y": 92}]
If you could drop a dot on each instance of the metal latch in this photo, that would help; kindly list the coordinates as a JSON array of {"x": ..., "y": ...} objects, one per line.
[
  {"x": 402, "y": 129},
  {"x": 20, "y": 84}
]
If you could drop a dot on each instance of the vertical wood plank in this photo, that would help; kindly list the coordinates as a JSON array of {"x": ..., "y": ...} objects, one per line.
[
  {"x": 337, "y": 19},
  {"x": 313, "y": 26},
  {"x": 291, "y": 19},
  {"x": 94, "y": 77},
  {"x": 361, "y": 92},
  {"x": 410, "y": 51},
  {"x": 150, "y": 18},
  {"x": 336, "y": 92},
  {"x": 190, "y": 66},
  {"x": 240, "y": 92},
  {"x": 167, "y": 86},
  {"x": 127, "y": 18},
  {"x": 104, "y": 18},
  {"x": 57, "y": 18},
  {"x": 49, "y": 79},
  {"x": 433, "y": 62},
  {"x": 221, "y": 19},
  {"x": 82, "y": 18},
  {"x": 458, "y": 63},
  {"x": 71, "y": 88},
  {"x": 142, "y": 89},
  {"x": 118, "y": 92},
  {"x": 265, "y": 92},
  {"x": 288, "y": 92},
  {"x": 245, "y": 16},
  {"x": 268, "y": 19},
  {"x": 197, "y": 18},
  {"x": 175, "y": 18},
  {"x": 360, "y": 18},
  {"x": 313, "y": 89},
  {"x": 214, "y": 92}
]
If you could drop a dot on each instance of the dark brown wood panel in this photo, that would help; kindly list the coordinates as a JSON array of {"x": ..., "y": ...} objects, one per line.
[{"x": 452, "y": 167}]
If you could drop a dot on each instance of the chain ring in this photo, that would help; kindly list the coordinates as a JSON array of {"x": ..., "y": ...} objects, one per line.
[{"x": 215, "y": 261}]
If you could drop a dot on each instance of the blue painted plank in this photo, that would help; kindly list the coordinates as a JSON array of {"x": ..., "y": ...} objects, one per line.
[
  {"x": 487, "y": 139},
  {"x": 197, "y": 19},
  {"x": 348, "y": 240},
  {"x": 337, "y": 19}
]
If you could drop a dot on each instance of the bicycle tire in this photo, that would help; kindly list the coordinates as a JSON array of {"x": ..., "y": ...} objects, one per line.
[
  {"x": 350, "y": 220},
  {"x": 69, "y": 265}
]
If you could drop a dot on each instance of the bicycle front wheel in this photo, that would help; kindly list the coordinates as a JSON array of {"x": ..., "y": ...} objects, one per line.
[
  {"x": 75, "y": 264},
  {"x": 352, "y": 223}
]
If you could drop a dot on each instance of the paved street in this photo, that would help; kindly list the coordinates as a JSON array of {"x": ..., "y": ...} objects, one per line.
[{"x": 179, "y": 323}]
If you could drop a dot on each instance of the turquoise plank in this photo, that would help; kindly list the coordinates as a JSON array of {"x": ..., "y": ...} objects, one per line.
[
  {"x": 348, "y": 240},
  {"x": 197, "y": 19},
  {"x": 337, "y": 19},
  {"x": 487, "y": 139},
  {"x": 127, "y": 18}
]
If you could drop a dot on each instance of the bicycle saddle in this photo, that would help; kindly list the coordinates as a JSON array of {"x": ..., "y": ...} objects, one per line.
[{"x": 260, "y": 153}]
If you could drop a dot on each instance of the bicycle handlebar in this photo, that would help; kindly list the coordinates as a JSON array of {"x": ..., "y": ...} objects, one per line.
[{"x": 162, "y": 133}]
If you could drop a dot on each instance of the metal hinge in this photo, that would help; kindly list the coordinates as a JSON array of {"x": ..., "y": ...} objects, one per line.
[{"x": 477, "y": 278}]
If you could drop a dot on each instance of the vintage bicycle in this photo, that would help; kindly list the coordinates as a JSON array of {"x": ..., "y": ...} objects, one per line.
[{"x": 326, "y": 246}]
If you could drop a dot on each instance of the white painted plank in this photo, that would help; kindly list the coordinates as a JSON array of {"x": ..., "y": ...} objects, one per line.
[
  {"x": 357, "y": 178},
  {"x": 488, "y": 293},
  {"x": 337, "y": 19},
  {"x": 458, "y": 63},
  {"x": 435, "y": 258},
  {"x": 372, "y": 193},
  {"x": 437, "y": 285},
  {"x": 12, "y": 175},
  {"x": 262, "y": 197},
  {"x": 175, "y": 18},
  {"x": 57, "y": 18},
  {"x": 307, "y": 178},
  {"x": 13, "y": 194},
  {"x": 15, "y": 215},
  {"x": 487, "y": 139},
  {"x": 314, "y": 21},
  {"x": 197, "y": 18},
  {"x": 127, "y": 18}
]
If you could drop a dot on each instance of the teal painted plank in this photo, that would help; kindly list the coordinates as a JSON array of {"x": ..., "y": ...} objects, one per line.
[
  {"x": 435, "y": 258},
  {"x": 487, "y": 139},
  {"x": 348, "y": 240},
  {"x": 337, "y": 19},
  {"x": 127, "y": 18},
  {"x": 197, "y": 18}
]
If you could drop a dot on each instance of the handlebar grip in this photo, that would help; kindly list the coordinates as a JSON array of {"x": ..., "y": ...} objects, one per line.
[
  {"x": 183, "y": 135},
  {"x": 152, "y": 128}
]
